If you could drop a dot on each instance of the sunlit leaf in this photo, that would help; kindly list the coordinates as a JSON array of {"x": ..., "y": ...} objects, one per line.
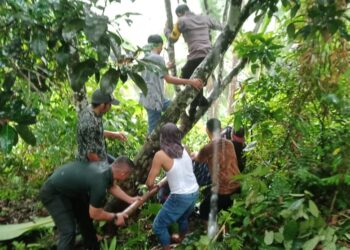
[
  {"x": 311, "y": 244},
  {"x": 313, "y": 208},
  {"x": 269, "y": 236}
]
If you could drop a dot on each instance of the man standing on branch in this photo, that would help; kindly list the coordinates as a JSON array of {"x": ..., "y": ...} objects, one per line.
[
  {"x": 75, "y": 194},
  {"x": 155, "y": 101},
  {"x": 195, "y": 30},
  {"x": 90, "y": 134}
]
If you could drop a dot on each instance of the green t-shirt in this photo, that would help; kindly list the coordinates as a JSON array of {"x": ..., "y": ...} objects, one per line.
[{"x": 83, "y": 178}]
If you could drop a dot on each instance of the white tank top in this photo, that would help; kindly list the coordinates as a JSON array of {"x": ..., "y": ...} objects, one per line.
[{"x": 180, "y": 177}]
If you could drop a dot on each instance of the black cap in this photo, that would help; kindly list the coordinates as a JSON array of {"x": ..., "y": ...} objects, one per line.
[
  {"x": 98, "y": 97},
  {"x": 155, "y": 39}
]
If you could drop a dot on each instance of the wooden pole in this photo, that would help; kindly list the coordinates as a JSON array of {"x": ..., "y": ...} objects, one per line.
[{"x": 134, "y": 206}]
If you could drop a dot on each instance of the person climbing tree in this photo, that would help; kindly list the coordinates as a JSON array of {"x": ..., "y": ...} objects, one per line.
[
  {"x": 90, "y": 132},
  {"x": 75, "y": 194},
  {"x": 175, "y": 161},
  {"x": 195, "y": 30},
  {"x": 155, "y": 101},
  {"x": 221, "y": 158}
]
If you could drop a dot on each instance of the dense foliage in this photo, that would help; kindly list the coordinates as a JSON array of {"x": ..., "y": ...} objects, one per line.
[{"x": 294, "y": 106}]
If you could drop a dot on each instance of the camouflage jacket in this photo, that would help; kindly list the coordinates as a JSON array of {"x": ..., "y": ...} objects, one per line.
[{"x": 90, "y": 135}]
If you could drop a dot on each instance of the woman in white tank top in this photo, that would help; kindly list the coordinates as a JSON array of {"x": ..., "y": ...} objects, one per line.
[{"x": 177, "y": 164}]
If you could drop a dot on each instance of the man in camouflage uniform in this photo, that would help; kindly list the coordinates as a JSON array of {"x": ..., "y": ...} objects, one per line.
[{"x": 90, "y": 134}]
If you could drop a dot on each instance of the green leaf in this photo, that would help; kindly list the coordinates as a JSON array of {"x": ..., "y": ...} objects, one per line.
[
  {"x": 26, "y": 134},
  {"x": 11, "y": 231},
  {"x": 103, "y": 50},
  {"x": 311, "y": 244},
  {"x": 238, "y": 120},
  {"x": 81, "y": 73},
  {"x": 139, "y": 81},
  {"x": 63, "y": 56},
  {"x": 109, "y": 81},
  {"x": 313, "y": 208},
  {"x": 294, "y": 10},
  {"x": 38, "y": 44},
  {"x": 291, "y": 30},
  {"x": 71, "y": 29},
  {"x": 268, "y": 239},
  {"x": 113, "y": 244},
  {"x": 8, "y": 138},
  {"x": 290, "y": 231},
  {"x": 95, "y": 27},
  {"x": 296, "y": 204}
]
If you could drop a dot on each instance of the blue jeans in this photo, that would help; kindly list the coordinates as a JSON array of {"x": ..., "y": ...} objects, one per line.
[
  {"x": 154, "y": 115},
  {"x": 177, "y": 208}
]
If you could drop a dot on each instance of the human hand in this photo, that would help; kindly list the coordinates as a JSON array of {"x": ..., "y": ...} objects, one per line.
[
  {"x": 120, "y": 136},
  {"x": 196, "y": 83},
  {"x": 193, "y": 155},
  {"x": 135, "y": 198},
  {"x": 120, "y": 219}
]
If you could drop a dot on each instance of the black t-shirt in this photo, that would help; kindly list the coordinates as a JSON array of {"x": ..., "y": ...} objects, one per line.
[
  {"x": 83, "y": 178},
  {"x": 239, "y": 153}
]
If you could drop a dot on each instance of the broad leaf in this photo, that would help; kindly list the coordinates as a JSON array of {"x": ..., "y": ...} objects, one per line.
[
  {"x": 95, "y": 27},
  {"x": 38, "y": 44},
  {"x": 103, "y": 50},
  {"x": 26, "y": 134},
  {"x": 311, "y": 244},
  {"x": 290, "y": 231},
  {"x": 268, "y": 239},
  {"x": 80, "y": 74},
  {"x": 139, "y": 81},
  {"x": 11, "y": 231},
  {"x": 109, "y": 81},
  {"x": 313, "y": 208},
  {"x": 71, "y": 29},
  {"x": 8, "y": 138}
]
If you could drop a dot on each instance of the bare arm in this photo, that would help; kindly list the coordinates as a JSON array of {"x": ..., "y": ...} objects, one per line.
[
  {"x": 102, "y": 215},
  {"x": 116, "y": 191},
  {"x": 195, "y": 83},
  {"x": 155, "y": 169},
  {"x": 115, "y": 135}
]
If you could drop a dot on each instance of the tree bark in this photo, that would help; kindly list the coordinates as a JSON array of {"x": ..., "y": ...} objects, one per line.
[
  {"x": 170, "y": 46},
  {"x": 237, "y": 17}
]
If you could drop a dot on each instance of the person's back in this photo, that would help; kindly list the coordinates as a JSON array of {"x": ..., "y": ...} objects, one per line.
[
  {"x": 181, "y": 178},
  {"x": 221, "y": 158},
  {"x": 155, "y": 84},
  {"x": 195, "y": 30}
]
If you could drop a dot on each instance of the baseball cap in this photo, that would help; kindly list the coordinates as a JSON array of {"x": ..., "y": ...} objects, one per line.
[{"x": 99, "y": 97}]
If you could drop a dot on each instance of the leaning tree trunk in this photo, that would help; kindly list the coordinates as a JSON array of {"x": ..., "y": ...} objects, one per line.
[{"x": 237, "y": 17}]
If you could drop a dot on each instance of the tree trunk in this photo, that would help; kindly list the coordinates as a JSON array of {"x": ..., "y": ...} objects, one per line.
[
  {"x": 237, "y": 17},
  {"x": 170, "y": 46}
]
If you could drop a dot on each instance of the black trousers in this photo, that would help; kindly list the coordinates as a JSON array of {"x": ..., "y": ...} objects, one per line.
[
  {"x": 67, "y": 213},
  {"x": 186, "y": 72}
]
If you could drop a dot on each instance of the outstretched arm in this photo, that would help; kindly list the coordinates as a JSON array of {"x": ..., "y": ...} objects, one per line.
[
  {"x": 115, "y": 135},
  {"x": 195, "y": 83},
  {"x": 116, "y": 191}
]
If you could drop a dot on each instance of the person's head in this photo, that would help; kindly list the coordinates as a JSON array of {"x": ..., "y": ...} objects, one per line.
[
  {"x": 170, "y": 140},
  {"x": 238, "y": 133},
  {"x": 156, "y": 43},
  {"x": 226, "y": 133},
  {"x": 181, "y": 10},
  {"x": 122, "y": 168},
  {"x": 102, "y": 102},
  {"x": 213, "y": 128}
]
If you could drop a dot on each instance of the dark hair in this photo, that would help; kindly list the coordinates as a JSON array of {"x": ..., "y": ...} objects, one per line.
[
  {"x": 182, "y": 9},
  {"x": 170, "y": 140},
  {"x": 226, "y": 133},
  {"x": 239, "y": 132},
  {"x": 124, "y": 159},
  {"x": 214, "y": 125},
  {"x": 155, "y": 39}
]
